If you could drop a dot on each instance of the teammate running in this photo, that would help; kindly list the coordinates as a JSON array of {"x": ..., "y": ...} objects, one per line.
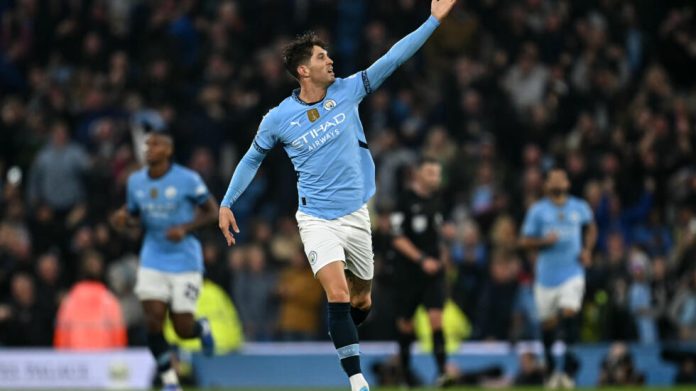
[
  {"x": 562, "y": 229},
  {"x": 164, "y": 198}
]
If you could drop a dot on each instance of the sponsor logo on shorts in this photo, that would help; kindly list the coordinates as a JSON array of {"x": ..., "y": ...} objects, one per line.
[
  {"x": 312, "y": 257},
  {"x": 191, "y": 292}
]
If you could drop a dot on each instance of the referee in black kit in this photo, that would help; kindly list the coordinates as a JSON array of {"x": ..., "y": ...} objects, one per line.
[{"x": 419, "y": 271}]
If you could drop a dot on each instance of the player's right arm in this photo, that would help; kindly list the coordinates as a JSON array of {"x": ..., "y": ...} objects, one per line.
[
  {"x": 532, "y": 238},
  {"x": 127, "y": 215},
  {"x": 243, "y": 175},
  {"x": 121, "y": 219}
]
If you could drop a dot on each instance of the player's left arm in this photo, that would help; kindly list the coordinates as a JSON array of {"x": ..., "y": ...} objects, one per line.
[
  {"x": 206, "y": 210},
  {"x": 206, "y": 215},
  {"x": 589, "y": 236},
  {"x": 375, "y": 75}
]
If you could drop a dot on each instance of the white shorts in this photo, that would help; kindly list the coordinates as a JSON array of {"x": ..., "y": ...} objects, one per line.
[
  {"x": 551, "y": 300},
  {"x": 179, "y": 290},
  {"x": 347, "y": 238}
]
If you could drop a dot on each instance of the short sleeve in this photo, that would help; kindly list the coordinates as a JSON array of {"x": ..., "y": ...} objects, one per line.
[
  {"x": 357, "y": 85},
  {"x": 586, "y": 214},
  {"x": 266, "y": 137},
  {"x": 531, "y": 226},
  {"x": 396, "y": 221},
  {"x": 199, "y": 193},
  {"x": 131, "y": 200},
  {"x": 399, "y": 218}
]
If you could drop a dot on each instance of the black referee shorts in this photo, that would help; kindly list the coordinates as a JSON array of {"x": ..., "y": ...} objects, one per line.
[{"x": 416, "y": 290}]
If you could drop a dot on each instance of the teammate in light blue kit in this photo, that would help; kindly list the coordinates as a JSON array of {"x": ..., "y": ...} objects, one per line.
[
  {"x": 561, "y": 227},
  {"x": 164, "y": 197},
  {"x": 319, "y": 128}
]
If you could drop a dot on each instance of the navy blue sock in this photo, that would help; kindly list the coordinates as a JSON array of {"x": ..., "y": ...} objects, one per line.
[
  {"x": 345, "y": 337},
  {"x": 405, "y": 340},
  {"x": 439, "y": 350},
  {"x": 569, "y": 328},
  {"x": 197, "y": 330},
  {"x": 549, "y": 337},
  {"x": 160, "y": 349},
  {"x": 358, "y": 315}
]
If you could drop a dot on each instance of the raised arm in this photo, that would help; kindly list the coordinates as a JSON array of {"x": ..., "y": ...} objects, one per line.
[{"x": 407, "y": 46}]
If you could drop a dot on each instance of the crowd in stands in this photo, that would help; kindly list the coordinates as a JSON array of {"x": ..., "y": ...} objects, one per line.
[{"x": 504, "y": 90}]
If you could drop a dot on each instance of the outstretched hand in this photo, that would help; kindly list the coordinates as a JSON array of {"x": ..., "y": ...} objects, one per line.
[
  {"x": 227, "y": 222},
  {"x": 440, "y": 8}
]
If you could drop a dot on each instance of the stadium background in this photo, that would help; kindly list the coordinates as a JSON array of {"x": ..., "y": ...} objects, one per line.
[{"x": 503, "y": 90}]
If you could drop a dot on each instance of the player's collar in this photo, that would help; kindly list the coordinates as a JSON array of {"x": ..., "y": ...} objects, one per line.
[
  {"x": 563, "y": 205},
  {"x": 147, "y": 172},
  {"x": 296, "y": 97}
]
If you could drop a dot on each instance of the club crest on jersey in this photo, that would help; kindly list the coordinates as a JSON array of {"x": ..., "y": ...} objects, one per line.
[
  {"x": 153, "y": 192},
  {"x": 312, "y": 257},
  {"x": 170, "y": 192},
  {"x": 329, "y": 104},
  {"x": 313, "y": 115}
]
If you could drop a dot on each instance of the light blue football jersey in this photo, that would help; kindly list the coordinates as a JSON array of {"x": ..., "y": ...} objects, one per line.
[
  {"x": 162, "y": 203},
  {"x": 325, "y": 140},
  {"x": 326, "y": 144},
  {"x": 560, "y": 261}
]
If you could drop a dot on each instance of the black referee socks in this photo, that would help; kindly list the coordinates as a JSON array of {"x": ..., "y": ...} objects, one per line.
[
  {"x": 439, "y": 350},
  {"x": 358, "y": 315},
  {"x": 345, "y": 337}
]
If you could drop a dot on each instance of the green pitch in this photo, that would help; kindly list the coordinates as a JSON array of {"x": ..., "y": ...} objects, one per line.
[{"x": 451, "y": 389}]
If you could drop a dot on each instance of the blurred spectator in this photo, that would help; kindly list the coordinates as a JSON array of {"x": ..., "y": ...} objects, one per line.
[
  {"x": 57, "y": 175},
  {"x": 683, "y": 308},
  {"x": 685, "y": 359},
  {"x": 526, "y": 80},
  {"x": 24, "y": 321},
  {"x": 469, "y": 256},
  {"x": 90, "y": 317},
  {"x": 121, "y": 277},
  {"x": 50, "y": 283},
  {"x": 496, "y": 305},
  {"x": 639, "y": 297},
  {"x": 663, "y": 287},
  {"x": 300, "y": 299},
  {"x": 618, "y": 368},
  {"x": 216, "y": 269},
  {"x": 531, "y": 371},
  {"x": 253, "y": 292}
]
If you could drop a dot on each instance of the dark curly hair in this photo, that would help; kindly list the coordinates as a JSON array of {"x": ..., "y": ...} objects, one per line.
[{"x": 299, "y": 51}]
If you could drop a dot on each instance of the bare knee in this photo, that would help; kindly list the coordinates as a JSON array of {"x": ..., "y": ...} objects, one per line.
[
  {"x": 362, "y": 302},
  {"x": 337, "y": 294},
  {"x": 435, "y": 317}
]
